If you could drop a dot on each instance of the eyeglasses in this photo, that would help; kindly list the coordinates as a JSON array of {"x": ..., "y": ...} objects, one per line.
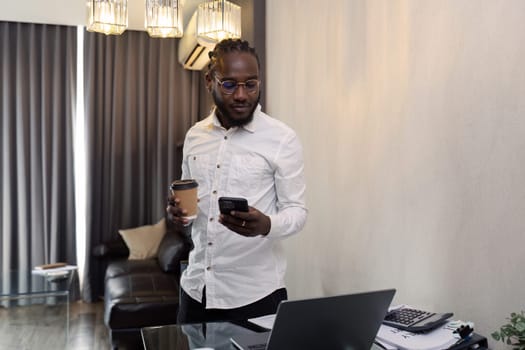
[{"x": 230, "y": 86}]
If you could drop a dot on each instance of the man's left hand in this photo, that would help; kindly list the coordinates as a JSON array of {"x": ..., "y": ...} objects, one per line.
[{"x": 249, "y": 224}]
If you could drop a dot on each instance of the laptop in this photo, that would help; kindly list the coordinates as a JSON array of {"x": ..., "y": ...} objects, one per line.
[{"x": 346, "y": 322}]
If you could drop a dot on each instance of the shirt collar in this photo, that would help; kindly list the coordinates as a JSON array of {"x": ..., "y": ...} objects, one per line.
[{"x": 250, "y": 127}]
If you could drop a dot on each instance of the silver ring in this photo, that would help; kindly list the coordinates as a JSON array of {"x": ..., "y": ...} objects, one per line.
[{"x": 243, "y": 223}]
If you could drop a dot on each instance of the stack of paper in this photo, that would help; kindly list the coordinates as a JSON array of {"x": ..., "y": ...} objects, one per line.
[
  {"x": 440, "y": 338},
  {"x": 62, "y": 270}
]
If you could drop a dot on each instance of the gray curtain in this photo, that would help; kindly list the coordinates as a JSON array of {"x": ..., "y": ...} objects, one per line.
[
  {"x": 37, "y": 100},
  {"x": 139, "y": 103}
]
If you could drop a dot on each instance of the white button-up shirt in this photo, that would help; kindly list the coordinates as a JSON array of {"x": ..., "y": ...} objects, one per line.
[{"x": 262, "y": 162}]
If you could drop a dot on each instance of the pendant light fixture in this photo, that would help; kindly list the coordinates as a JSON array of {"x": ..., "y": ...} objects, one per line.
[
  {"x": 164, "y": 18},
  {"x": 107, "y": 16},
  {"x": 218, "y": 20}
]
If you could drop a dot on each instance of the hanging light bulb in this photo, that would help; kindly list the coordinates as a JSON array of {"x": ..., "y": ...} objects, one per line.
[
  {"x": 164, "y": 18},
  {"x": 218, "y": 20},
  {"x": 107, "y": 16}
]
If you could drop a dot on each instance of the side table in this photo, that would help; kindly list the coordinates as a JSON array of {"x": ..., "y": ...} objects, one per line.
[{"x": 35, "y": 299}]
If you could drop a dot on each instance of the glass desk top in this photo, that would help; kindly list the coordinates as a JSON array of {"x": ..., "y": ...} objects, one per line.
[{"x": 214, "y": 335}]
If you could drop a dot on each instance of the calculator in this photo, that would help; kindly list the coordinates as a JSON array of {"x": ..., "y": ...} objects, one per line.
[{"x": 414, "y": 320}]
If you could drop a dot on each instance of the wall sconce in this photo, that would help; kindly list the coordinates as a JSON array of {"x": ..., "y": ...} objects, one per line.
[
  {"x": 164, "y": 18},
  {"x": 218, "y": 20},
  {"x": 107, "y": 16}
]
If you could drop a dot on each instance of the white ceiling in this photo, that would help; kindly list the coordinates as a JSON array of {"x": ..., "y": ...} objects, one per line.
[{"x": 73, "y": 12}]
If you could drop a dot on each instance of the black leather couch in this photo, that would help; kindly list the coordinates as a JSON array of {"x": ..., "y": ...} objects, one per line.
[{"x": 141, "y": 293}]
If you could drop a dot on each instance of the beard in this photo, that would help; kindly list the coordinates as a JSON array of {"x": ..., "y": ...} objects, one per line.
[{"x": 225, "y": 115}]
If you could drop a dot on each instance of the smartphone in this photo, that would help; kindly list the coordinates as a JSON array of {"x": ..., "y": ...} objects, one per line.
[{"x": 227, "y": 204}]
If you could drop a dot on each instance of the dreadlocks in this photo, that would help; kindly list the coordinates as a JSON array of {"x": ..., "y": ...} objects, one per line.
[{"x": 226, "y": 46}]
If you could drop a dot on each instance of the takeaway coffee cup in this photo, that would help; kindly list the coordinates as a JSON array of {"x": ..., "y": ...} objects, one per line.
[{"x": 186, "y": 191}]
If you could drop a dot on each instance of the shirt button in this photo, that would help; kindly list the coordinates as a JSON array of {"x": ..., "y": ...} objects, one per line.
[
  {"x": 211, "y": 219},
  {"x": 208, "y": 268},
  {"x": 218, "y": 166},
  {"x": 225, "y": 137},
  {"x": 194, "y": 158},
  {"x": 210, "y": 243},
  {"x": 214, "y": 192}
]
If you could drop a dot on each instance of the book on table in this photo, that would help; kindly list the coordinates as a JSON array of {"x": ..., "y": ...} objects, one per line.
[{"x": 50, "y": 266}]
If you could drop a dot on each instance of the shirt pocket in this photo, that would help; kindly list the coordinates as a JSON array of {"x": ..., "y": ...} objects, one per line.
[
  {"x": 248, "y": 175},
  {"x": 199, "y": 166}
]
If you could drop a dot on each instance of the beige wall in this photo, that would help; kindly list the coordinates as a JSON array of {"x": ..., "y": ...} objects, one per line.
[{"x": 412, "y": 116}]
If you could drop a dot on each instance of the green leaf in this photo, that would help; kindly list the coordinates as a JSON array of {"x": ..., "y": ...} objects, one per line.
[{"x": 520, "y": 326}]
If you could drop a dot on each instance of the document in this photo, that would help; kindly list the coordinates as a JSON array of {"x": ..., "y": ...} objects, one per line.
[{"x": 264, "y": 321}]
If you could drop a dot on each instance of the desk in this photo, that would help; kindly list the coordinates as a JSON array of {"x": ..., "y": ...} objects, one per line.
[
  {"x": 199, "y": 335},
  {"x": 217, "y": 335}
]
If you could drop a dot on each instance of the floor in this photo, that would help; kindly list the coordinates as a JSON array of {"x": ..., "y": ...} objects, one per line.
[{"x": 43, "y": 327}]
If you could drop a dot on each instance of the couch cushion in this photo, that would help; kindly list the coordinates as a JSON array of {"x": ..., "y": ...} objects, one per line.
[
  {"x": 140, "y": 300},
  {"x": 143, "y": 242}
]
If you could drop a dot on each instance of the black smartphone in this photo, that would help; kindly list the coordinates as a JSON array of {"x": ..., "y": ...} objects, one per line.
[{"x": 227, "y": 204}]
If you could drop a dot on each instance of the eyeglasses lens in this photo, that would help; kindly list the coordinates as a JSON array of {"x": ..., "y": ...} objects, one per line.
[{"x": 229, "y": 86}]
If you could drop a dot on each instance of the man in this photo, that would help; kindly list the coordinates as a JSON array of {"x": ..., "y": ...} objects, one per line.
[{"x": 236, "y": 268}]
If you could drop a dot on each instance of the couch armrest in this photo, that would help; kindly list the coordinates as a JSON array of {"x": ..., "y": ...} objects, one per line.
[
  {"x": 173, "y": 249},
  {"x": 116, "y": 248}
]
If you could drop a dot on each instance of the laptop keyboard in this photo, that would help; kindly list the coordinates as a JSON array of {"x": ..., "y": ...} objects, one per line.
[{"x": 261, "y": 346}]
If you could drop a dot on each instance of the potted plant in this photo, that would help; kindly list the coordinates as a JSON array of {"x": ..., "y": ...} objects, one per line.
[{"x": 513, "y": 332}]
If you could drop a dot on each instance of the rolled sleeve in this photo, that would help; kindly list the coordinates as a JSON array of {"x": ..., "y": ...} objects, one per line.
[{"x": 290, "y": 188}]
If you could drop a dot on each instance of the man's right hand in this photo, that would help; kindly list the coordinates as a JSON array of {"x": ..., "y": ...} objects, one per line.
[{"x": 176, "y": 214}]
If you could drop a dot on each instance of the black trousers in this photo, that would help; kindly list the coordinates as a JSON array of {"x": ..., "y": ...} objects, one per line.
[{"x": 191, "y": 311}]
